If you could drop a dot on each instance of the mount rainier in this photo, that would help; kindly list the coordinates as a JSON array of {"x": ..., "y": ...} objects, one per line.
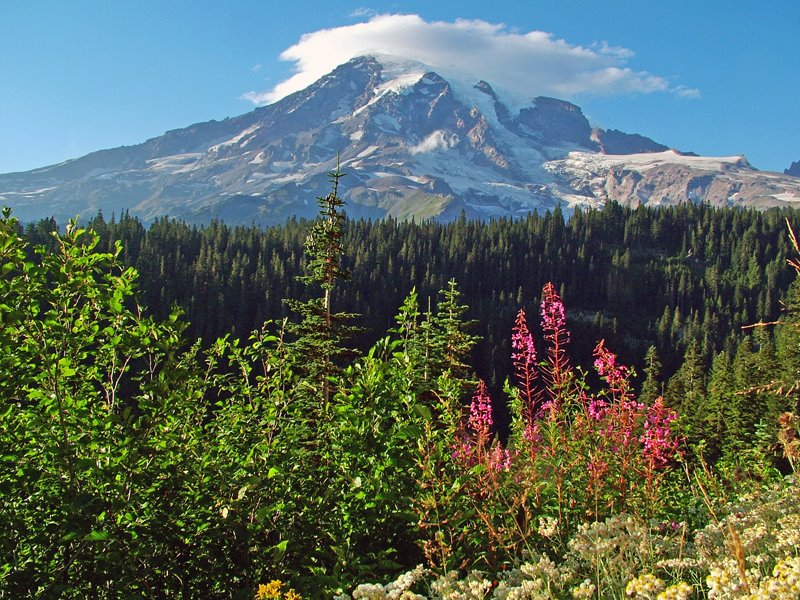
[{"x": 413, "y": 144}]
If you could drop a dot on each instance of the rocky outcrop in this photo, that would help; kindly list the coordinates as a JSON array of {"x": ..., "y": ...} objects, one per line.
[
  {"x": 556, "y": 121},
  {"x": 617, "y": 142},
  {"x": 669, "y": 178}
]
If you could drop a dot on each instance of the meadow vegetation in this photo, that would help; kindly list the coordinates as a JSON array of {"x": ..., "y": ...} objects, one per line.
[{"x": 135, "y": 462}]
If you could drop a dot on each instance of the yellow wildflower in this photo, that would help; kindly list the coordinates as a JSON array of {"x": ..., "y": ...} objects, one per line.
[{"x": 270, "y": 591}]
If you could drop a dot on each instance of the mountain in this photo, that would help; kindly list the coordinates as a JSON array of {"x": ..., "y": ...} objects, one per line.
[
  {"x": 794, "y": 169},
  {"x": 413, "y": 144}
]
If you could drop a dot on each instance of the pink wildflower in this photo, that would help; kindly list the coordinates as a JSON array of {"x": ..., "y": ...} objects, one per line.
[
  {"x": 596, "y": 408},
  {"x": 523, "y": 355},
  {"x": 597, "y": 468},
  {"x": 554, "y": 329},
  {"x": 474, "y": 440},
  {"x": 463, "y": 451},
  {"x": 615, "y": 375},
  {"x": 523, "y": 349},
  {"x": 480, "y": 414},
  {"x": 549, "y": 409},
  {"x": 554, "y": 319},
  {"x": 499, "y": 458},
  {"x": 658, "y": 445},
  {"x": 533, "y": 436}
]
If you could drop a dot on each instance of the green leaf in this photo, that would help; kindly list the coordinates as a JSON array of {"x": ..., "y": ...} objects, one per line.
[
  {"x": 65, "y": 370},
  {"x": 279, "y": 550},
  {"x": 242, "y": 492},
  {"x": 96, "y": 536},
  {"x": 423, "y": 411}
]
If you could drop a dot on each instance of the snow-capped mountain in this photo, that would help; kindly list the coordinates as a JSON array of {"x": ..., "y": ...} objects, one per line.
[{"x": 413, "y": 144}]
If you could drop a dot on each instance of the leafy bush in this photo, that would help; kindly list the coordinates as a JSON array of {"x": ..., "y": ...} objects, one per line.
[{"x": 101, "y": 435}]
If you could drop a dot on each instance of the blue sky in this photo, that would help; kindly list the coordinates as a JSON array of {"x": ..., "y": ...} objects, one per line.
[{"x": 714, "y": 77}]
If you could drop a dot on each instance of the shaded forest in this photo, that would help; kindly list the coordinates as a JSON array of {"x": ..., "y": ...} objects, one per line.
[{"x": 638, "y": 277}]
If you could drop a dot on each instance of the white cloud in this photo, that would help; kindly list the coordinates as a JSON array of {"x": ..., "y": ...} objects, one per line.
[{"x": 527, "y": 64}]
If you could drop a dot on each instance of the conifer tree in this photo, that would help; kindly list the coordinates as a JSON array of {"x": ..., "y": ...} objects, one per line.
[
  {"x": 686, "y": 391},
  {"x": 715, "y": 413},
  {"x": 413, "y": 331},
  {"x": 321, "y": 333},
  {"x": 787, "y": 349},
  {"x": 651, "y": 387},
  {"x": 745, "y": 409},
  {"x": 450, "y": 341}
]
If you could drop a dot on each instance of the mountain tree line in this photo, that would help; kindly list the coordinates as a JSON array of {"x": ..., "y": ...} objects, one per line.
[
  {"x": 664, "y": 277},
  {"x": 680, "y": 281}
]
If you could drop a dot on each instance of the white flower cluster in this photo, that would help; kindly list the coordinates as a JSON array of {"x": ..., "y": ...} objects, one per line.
[
  {"x": 767, "y": 528},
  {"x": 784, "y": 583},
  {"x": 538, "y": 580},
  {"x": 649, "y": 587},
  {"x": 644, "y": 587},
  {"x": 758, "y": 535},
  {"x": 584, "y": 591},
  {"x": 527, "y": 590},
  {"x": 399, "y": 589},
  {"x": 787, "y": 536},
  {"x": 548, "y": 527},
  {"x": 678, "y": 591},
  {"x": 473, "y": 587},
  {"x": 618, "y": 549},
  {"x": 620, "y": 533},
  {"x": 722, "y": 582}
]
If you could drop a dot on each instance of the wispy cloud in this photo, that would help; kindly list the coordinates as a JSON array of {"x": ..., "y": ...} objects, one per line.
[
  {"x": 360, "y": 13},
  {"x": 686, "y": 92},
  {"x": 604, "y": 48},
  {"x": 530, "y": 64},
  {"x": 256, "y": 97}
]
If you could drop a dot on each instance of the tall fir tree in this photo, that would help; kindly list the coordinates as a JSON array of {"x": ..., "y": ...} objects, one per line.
[
  {"x": 321, "y": 333},
  {"x": 651, "y": 387},
  {"x": 715, "y": 414},
  {"x": 450, "y": 340},
  {"x": 686, "y": 392}
]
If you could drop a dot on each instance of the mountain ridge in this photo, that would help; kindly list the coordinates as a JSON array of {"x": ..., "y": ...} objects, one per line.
[{"x": 414, "y": 143}]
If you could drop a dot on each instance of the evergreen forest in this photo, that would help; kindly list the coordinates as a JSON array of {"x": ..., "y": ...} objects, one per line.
[{"x": 603, "y": 405}]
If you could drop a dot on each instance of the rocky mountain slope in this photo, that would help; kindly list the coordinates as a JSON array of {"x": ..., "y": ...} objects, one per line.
[{"x": 412, "y": 143}]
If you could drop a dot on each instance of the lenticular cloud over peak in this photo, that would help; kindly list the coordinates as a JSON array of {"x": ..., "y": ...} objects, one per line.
[{"x": 527, "y": 64}]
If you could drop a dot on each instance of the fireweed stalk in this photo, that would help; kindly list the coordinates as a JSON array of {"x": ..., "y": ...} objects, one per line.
[
  {"x": 523, "y": 355},
  {"x": 484, "y": 466},
  {"x": 572, "y": 456},
  {"x": 618, "y": 414},
  {"x": 475, "y": 444},
  {"x": 557, "y": 370}
]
